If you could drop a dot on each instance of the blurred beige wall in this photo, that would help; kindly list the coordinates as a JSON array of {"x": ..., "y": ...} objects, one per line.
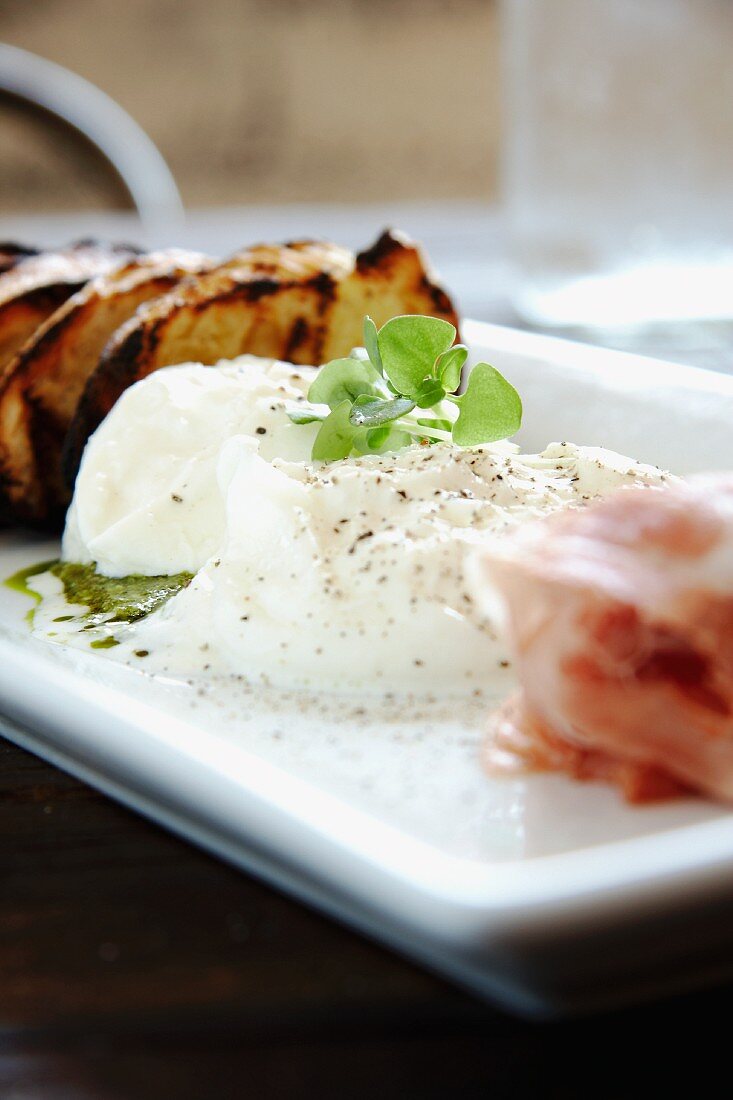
[{"x": 250, "y": 100}]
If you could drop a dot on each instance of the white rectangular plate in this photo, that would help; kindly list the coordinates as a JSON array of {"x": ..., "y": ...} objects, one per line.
[{"x": 542, "y": 893}]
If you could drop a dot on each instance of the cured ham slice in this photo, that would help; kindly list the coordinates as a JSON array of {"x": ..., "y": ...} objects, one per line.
[{"x": 621, "y": 618}]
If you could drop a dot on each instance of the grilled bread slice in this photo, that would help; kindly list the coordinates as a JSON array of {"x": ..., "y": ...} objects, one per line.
[
  {"x": 33, "y": 286},
  {"x": 42, "y": 384},
  {"x": 303, "y": 302},
  {"x": 12, "y": 254}
]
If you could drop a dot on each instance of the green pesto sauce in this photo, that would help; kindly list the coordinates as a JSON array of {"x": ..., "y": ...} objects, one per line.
[
  {"x": 19, "y": 583},
  {"x": 125, "y": 599}
]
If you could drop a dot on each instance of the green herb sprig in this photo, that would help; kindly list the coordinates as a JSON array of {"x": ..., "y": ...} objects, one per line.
[{"x": 403, "y": 389}]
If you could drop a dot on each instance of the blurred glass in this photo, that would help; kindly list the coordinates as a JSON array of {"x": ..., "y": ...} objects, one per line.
[{"x": 618, "y": 168}]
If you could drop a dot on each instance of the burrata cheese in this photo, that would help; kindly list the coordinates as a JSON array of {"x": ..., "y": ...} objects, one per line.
[{"x": 349, "y": 576}]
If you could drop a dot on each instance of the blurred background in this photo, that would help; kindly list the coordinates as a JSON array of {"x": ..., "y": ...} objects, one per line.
[
  {"x": 568, "y": 164},
  {"x": 267, "y": 100},
  {"x": 276, "y": 118}
]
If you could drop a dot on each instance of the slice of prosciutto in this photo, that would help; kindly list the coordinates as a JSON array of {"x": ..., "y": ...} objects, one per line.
[{"x": 621, "y": 619}]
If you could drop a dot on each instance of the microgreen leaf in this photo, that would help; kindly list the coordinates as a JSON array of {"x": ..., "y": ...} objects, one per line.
[
  {"x": 377, "y": 437},
  {"x": 409, "y": 347},
  {"x": 429, "y": 393},
  {"x": 370, "y": 441},
  {"x": 371, "y": 412},
  {"x": 388, "y": 438},
  {"x": 436, "y": 422},
  {"x": 335, "y": 438},
  {"x": 344, "y": 380},
  {"x": 449, "y": 366},
  {"x": 371, "y": 343},
  {"x": 305, "y": 414},
  {"x": 490, "y": 409}
]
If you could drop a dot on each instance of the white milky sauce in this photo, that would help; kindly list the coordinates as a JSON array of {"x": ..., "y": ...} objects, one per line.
[{"x": 350, "y": 575}]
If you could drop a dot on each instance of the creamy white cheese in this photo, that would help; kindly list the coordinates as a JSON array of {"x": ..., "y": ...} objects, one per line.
[
  {"x": 349, "y": 576},
  {"x": 147, "y": 498}
]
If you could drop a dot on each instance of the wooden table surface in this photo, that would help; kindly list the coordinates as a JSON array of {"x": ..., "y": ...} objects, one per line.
[{"x": 133, "y": 965}]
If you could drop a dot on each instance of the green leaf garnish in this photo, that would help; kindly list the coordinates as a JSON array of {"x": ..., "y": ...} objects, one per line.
[
  {"x": 412, "y": 366},
  {"x": 376, "y": 441},
  {"x": 409, "y": 347},
  {"x": 371, "y": 412},
  {"x": 396, "y": 440},
  {"x": 371, "y": 343},
  {"x": 490, "y": 409},
  {"x": 335, "y": 438},
  {"x": 344, "y": 380},
  {"x": 436, "y": 423},
  {"x": 449, "y": 366},
  {"x": 304, "y": 413},
  {"x": 377, "y": 437},
  {"x": 429, "y": 393}
]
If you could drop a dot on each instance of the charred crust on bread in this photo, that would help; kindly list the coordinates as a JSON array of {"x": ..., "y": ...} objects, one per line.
[{"x": 380, "y": 253}]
